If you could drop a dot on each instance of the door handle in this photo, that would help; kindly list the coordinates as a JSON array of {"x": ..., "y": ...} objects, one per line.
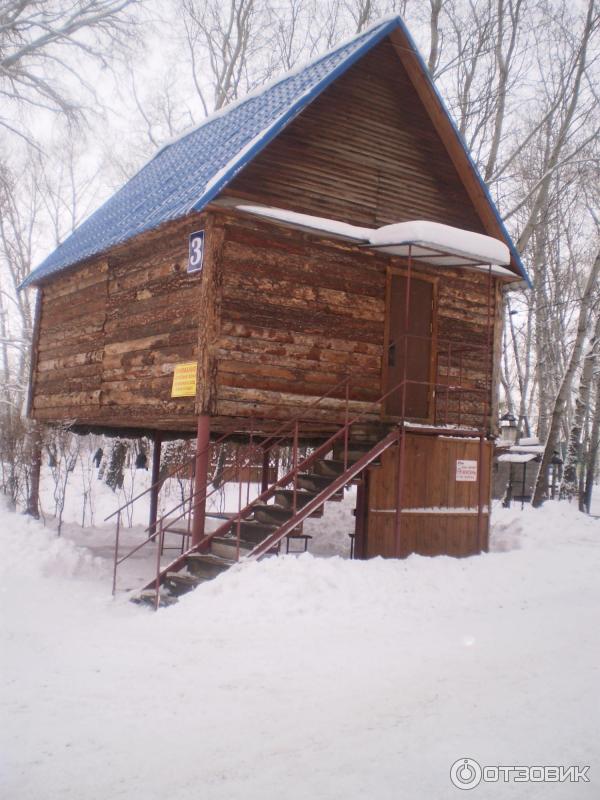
[{"x": 392, "y": 355}]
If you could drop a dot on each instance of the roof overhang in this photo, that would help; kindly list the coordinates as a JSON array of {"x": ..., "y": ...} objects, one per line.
[{"x": 428, "y": 242}]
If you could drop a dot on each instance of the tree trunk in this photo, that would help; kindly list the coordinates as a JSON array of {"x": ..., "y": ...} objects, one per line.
[
  {"x": 562, "y": 398},
  {"x": 569, "y": 486},
  {"x": 33, "y": 497},
  {"x": 592, "y": 456}
]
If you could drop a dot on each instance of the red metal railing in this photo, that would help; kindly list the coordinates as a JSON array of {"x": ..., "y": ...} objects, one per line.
[
  {"x": 156, "y": 530},
  {"x": 298, "y": 515},
  {"x": 449, "y": 381}
]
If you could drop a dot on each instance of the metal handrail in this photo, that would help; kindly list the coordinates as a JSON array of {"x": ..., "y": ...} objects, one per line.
[
  {"x": 159, "y": 524},
  {"x": 196, "y": 453},
  {"x": 273, "y": 441},
  {"x": 268, "y": 444},
  {"x": 171, "y": 474},
  {"x": 284, "y": 481}
]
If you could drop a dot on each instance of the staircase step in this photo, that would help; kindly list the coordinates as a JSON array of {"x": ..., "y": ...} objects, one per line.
[
  {"x": 226, "y": 546},
  {"x": 285, "y": 498},
  {"x": 355, "y": 450},
  {"x": 254, "y": 532},
  {"x": 331, "y": 467},
  {"x": 271, "y": 514},
  {"x": 316, "y": 483},
  {"x": 147, "y": 597},
  {"x": 206, "y": 565},
  {"x": 180, "y": 582},
  {"x": 179, "y": 531},
  {"x": 328, "y": 467}
]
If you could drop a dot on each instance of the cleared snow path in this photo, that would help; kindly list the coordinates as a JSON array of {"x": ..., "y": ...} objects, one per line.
[{"x": 304, "y": 677}]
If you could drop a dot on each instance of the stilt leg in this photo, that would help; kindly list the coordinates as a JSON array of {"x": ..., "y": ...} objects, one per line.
[
  {"x": 264, "y": 484},
  {"x": 361, "y": 513},
  {"x": 154, "y": 480},
  {"x": 201, "y": 478}
]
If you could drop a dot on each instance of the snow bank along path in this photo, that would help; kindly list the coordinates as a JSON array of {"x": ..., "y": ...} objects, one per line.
[{"x": 303, "y": 677}]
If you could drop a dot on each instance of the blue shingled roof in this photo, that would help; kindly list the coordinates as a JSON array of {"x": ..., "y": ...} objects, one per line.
[{"x": 188, "y": 173}]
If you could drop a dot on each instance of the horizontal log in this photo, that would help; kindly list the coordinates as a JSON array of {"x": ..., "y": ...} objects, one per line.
[
  {"x": 75, "y": 360},
  {"x": 67, "y": 399},
  {"x": 242, "y": 331},
  {"x": 253, "y": 351},
  {"x": 93, "y": 275},
  {"x": 297, "y": 319},
  {"x": 287, "y": 294}
]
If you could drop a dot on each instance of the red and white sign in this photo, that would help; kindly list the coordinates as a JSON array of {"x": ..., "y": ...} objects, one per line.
[{"x": 466, "y": 470}]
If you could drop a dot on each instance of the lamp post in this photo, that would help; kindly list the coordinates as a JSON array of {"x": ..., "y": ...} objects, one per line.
[
  {"x": 556, "y": 466},
  {"x": 508, "y": 428},
  {"x": 508, "y": 436}
]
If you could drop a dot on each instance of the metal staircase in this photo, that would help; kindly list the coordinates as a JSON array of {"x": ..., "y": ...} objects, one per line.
[{"x": 258, "y": 529}]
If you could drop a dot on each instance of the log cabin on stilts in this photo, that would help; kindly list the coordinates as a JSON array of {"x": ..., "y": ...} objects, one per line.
[{"x": 317, "y": 266}]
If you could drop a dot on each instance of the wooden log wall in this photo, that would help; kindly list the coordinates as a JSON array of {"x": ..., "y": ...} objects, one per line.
[
  {"x": 283, "y": 314},
  {"x": 294, "y": 313},
  {"x": 299, "y": 312},
  {"x": 111, "y": 332},
  {"x": 67, "y": 375}
]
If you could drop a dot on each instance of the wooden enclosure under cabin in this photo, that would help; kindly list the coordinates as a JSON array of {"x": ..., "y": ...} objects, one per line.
[{"x": 319, "y": 267}]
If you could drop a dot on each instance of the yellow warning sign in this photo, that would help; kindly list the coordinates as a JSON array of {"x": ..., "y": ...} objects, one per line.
[{"x": 184, "y": 380}]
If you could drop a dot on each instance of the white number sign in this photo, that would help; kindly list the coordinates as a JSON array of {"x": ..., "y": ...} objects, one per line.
[{"x": 196, "y": 251}]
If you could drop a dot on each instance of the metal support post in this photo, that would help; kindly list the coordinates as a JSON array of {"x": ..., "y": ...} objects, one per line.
[
  {"x": 399, "y": 492},
  {"x": 154, "y": 491},
  {"x": 201, "y": 478},
  {"x": 264, "y": 483}
]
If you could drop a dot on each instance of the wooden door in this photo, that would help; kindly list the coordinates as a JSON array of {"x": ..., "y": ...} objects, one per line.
[{"x": 413, "y": 342}]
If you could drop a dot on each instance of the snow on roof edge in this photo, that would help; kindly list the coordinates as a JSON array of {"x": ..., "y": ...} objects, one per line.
[
  {"x": 456, "y": 241},
  {"x": 309, "y": 222},
  {"x": 412, "y": 232},
  {"x": 378, "y": 30}
]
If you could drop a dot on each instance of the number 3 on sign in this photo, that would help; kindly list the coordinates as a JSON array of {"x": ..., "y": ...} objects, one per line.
[{"x": 196, "y": 251}]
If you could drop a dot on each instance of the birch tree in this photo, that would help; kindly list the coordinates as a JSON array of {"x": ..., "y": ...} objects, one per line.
[
  {"x": 563, "y": 396},
  {"x": 574, "y": 458}
]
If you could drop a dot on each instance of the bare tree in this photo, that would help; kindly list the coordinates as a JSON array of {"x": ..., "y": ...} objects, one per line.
[
  {"x": 591, "y": 365},
  {"x": 230, "y": 36},
  {"x": 591, "y": 462},
  {"x": 39, "y": 44},
  {"x": 563, "y": 394}
]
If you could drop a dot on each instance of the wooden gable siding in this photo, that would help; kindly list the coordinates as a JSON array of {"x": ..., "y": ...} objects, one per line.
[
  {"x": 299, "y": 312},
  {"x": 111, "y": 332},
  {"x": 365, "y": 152}
]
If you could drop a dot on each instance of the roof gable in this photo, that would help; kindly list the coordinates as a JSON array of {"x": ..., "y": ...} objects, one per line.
[
  {"x": 364, "y": 152},
  {"x": 188, "y": 173}
]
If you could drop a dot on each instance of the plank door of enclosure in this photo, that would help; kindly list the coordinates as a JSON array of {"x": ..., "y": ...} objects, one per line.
[
  {"x": 439, "y": 506},
  {"x": 410, "y": 347}
]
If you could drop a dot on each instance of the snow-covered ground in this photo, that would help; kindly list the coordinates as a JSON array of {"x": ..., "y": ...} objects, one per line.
[{"x": 302, "y": 677}]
